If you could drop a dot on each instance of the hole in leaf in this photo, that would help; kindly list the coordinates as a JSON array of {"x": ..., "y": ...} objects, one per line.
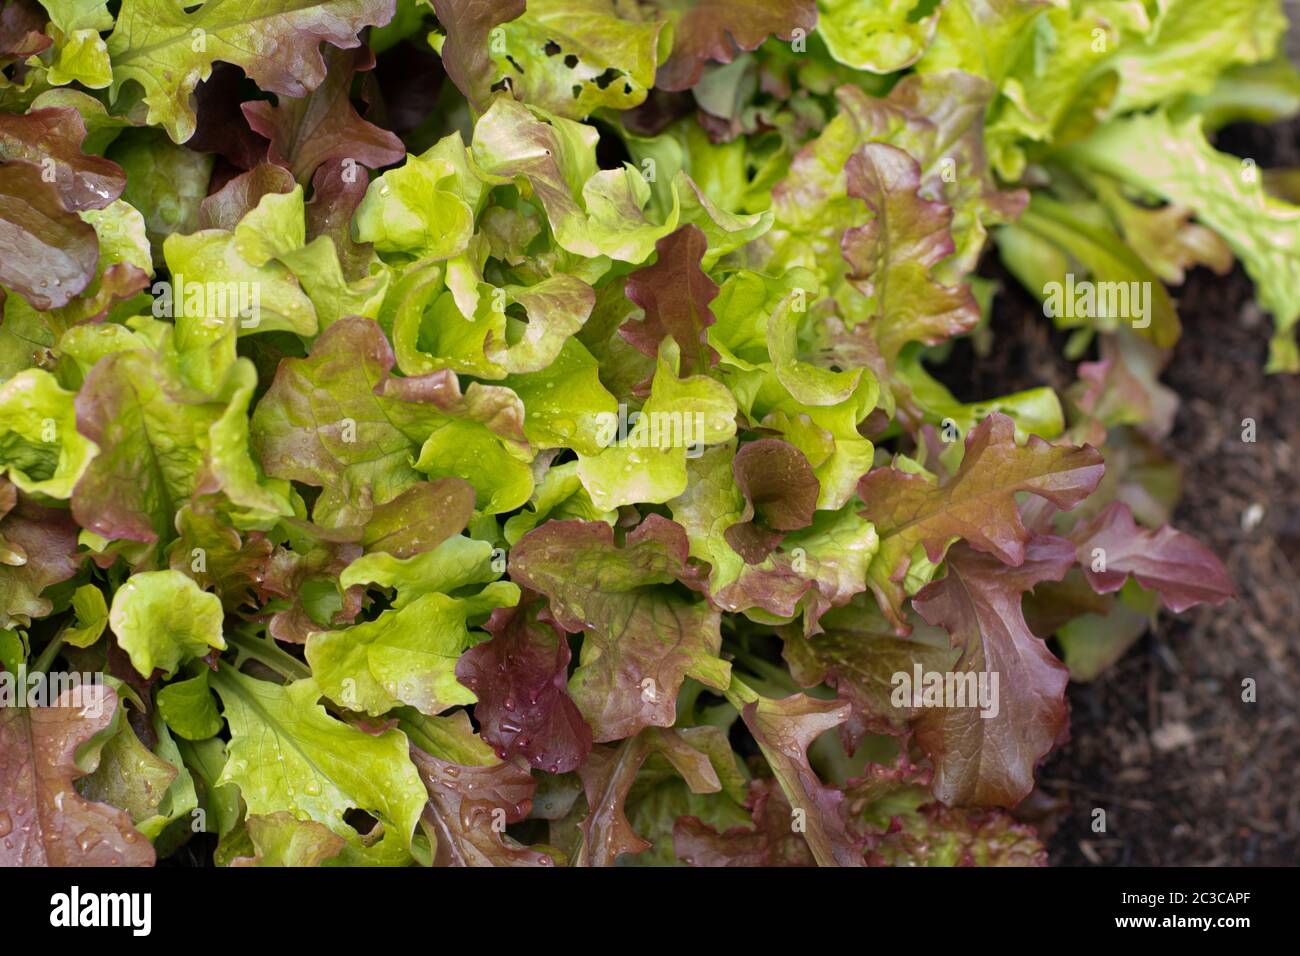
[
  {"x": 608, "y": 77},
  {"x": 359, "y": 820}
]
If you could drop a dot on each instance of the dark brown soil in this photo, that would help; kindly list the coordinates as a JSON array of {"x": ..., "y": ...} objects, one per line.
[{"x": 1187, "y": 772}]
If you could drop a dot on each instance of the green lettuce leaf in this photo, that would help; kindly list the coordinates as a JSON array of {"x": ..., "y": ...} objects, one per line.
[
  {"x": 329, "y": 767},
  {"x": 155, "y": 44},
  {"x": 1172, "y": 160},
  {"x": 882, "y": 38},
  {"x": 592, "y": 212},
  {"x": 161, "y": 619},
  {"x": 41, "y": 450},
  {"x": 573, "y": 57},
  {"x": 338, "y": 420}
]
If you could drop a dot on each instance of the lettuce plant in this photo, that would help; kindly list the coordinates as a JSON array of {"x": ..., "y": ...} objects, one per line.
[{"x": 503, "y": 434}]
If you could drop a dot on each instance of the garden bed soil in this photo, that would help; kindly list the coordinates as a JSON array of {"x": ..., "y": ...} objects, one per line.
[{"x": 1188, "y": 772}]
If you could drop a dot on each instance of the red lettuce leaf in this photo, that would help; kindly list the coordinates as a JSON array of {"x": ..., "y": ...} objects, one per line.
[
  {"x": 771, "y": 841},
  {"x": 939, "y": 836},
  {"x": 989, "y": 760},
  {"x": 221, "y": 125},
  {"x": 45, "y": 821},
  {"x": 641, "y": 637},
  {"x": 468, "y": 24},
  {"x": 720, "y": 30},
  {"x": 780, "y": 492},
  {"x": 893, "y": 254},
  {"x": 520, "y": 679},
  {"x": 469, "y": 808},
  {"x": 38, "y": 548},
  {"x": 675, "y": 293},
  {"x": 324, "y": 125},
  {"x": 49, "y": 253},
  {"x": 336, "y": 193},
  {"x": 1178, "y": 567},
  {"x": 978, "y": 503},
  {"x": 784, "y": 730},
  {"x": 607, "y": 777},
  {"x": 22, "y": 26},
  {"x": 50, "y": 139},
  {"x": 240, "y": 195}
]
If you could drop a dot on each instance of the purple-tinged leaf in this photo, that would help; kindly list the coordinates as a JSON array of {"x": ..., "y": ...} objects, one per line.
[
  {"x": 38, "y": 548},
  {"x": 468, "y": 809},
  {"x": 335, "y": 196},
  {"x": 858, "y": 653},
  {"x": 468, "y": 24},
  {"x": 892, "y": 256},
  {"x": 49, "y": 253},
  {"x": 780, "y": 493},
  {"x": 675, "y": 293},
  {"x": 324, "y": 126},
  {"x": 233, "y": 565},
  {"x": 22, "y": 25},
  {"x": 784, "y": 730},
  {"x": 1182, "y": 570},
  {"x": 938, "y": 836},
  {"x": 50, "y": 139},
  {"x": 339, "y": 420},
  {"x": 985, "y": 747},
  {"x": 222, "y": 127},
  {"x": 607, "y": 778},
  {"x": 771, "y": 841},
  {"x": 520, "y": 678},
  {"x": 46, "y": 821},
  {"x": 978, "y": 503},
  {"x": 641, "y": 637},
  {"x": 720, "y": 30},
  {"x": 294, "y": 576},
  {"x": 224, "y": 208}
]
